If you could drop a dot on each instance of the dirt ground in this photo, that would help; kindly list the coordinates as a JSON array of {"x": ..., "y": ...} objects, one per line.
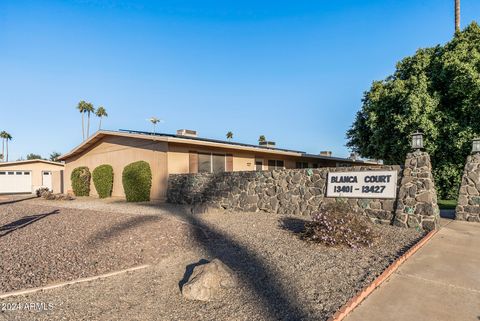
[{"x": 281, "y": 277}]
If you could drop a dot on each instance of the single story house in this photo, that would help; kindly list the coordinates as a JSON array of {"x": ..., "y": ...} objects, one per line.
[
  {"x": 29, "y": 175},
  {"x": 184, "y": 153}
]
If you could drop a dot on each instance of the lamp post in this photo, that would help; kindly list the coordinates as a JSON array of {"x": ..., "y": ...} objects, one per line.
[
  {"x": 476, "y": 145},
  {"x": 417, "y": 141}
]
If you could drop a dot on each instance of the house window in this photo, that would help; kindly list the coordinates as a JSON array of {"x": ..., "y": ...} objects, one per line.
[
  {"x": 218, "y": 163},
  {"x": 18, "y": 173},
  {"x": 315, "y": 165},
  {"x": 204, "y": 163},
  {"x": 301, "y": 165},
  {"x": 2, "y": 173},
  {"x": 26, "y": 173},
  {"x": 211, "y": 163},
  {"x": 275, "y": 164},
  {"x": 259, "y": 165},
  {"x": 11, "y": 173},
  {"x": 343, "y": 165}
]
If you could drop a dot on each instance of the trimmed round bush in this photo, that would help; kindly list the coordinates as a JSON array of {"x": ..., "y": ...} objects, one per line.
[
  {"x": 137, "y": 181},
  {"x": 80, "y": 179},
  {"x": 103, "y": 180}
]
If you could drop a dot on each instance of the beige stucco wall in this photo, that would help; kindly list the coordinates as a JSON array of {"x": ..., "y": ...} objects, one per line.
[
  {"x": 178, "y": 158},
  {"x": 57, "y": 182},
  {"x": 119, "y": 152},
  {"x": 243, "y": 162},
  {"x": 36, "y": 169}
]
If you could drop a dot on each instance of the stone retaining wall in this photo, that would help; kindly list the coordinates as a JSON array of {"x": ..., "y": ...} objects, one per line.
[
  {"x": 288, "y": 191},
  {"x": 417, "y": 199},
  {"x": 468, "y": 208}
]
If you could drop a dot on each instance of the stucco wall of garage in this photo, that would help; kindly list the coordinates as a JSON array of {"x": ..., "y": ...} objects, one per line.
[
  {"x": 119, "y": 152},
  {"x": 36, "y": 172}
]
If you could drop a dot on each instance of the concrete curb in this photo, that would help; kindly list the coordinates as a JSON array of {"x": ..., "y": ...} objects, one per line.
[
  {"x": 366, "y": 291},
  {"x": 62, "y": 284}
]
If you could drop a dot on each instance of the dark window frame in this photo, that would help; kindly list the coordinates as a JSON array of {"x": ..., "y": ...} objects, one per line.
[
  {"x": 274, "y": 164},
  {"x": 211, "y": 162}
]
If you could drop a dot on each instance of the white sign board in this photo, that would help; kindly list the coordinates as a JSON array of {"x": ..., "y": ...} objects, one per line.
[{"x": 366, "y": 184}]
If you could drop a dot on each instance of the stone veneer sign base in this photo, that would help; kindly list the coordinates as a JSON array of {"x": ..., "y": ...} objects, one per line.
[
  {"x": 417, "y": 198},
  {"x": 468, "y": 208}
]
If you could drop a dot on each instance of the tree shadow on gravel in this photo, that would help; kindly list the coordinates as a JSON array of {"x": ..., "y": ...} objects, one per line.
[
  {"x": 292, "y": 224},
  {"x": 124, "y": 226},
  {"x": 23, "y": 222},
  {"x": 253, "y": 272},
  {"x": 26, "y": 198}
]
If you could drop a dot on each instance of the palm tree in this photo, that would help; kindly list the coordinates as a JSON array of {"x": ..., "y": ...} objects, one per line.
[
  {"x": 229, "y": 135},
  {"x": 101, "y": 112},
  {"x": 7, "y": 138},
  {"x": 261, "y": 139},
  {"x": 457, "y": 15},
  {"x": 154, "y": 121},
  {"x": 89, "y": 109},
  {"x": 3, "y": 135},
  {"x": 81, "y": 109}
]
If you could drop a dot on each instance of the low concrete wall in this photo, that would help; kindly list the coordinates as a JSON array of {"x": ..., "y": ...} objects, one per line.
[{"x": 289, "y": 191}]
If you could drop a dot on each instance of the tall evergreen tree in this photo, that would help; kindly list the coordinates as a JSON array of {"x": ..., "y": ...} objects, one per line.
[{"x": 436, "y": 91}]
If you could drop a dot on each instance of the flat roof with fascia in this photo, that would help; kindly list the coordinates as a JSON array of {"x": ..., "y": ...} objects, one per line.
[{"x": 28, "y": 161}]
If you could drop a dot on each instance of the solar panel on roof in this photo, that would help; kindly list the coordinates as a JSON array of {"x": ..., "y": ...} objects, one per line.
[{"x": 207, "y": 140}]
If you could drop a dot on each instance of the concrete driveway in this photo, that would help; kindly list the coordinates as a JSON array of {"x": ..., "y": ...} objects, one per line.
[{"x": 439, "y": 282}]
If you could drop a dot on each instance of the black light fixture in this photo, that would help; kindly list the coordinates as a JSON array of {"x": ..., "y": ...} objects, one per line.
[
  {"x": 476, "y": 145},
  {"x": 417, "y": 140}
]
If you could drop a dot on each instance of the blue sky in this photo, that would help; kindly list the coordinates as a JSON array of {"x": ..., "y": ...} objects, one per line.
[{"x": 294, "y": 71}]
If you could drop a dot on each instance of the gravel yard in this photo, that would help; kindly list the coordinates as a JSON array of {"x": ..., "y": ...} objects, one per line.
[
  {"x": 281, "y": 277},
  {"x": 44, "y": 244}
]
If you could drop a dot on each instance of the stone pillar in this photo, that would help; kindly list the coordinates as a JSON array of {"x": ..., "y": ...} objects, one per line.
[
  {"x": 468, "y": 208},
  {"x": 417, "y": 198}
]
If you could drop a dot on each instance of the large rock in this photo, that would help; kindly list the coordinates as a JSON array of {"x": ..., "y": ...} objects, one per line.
[{"x": 207, "y": 280}]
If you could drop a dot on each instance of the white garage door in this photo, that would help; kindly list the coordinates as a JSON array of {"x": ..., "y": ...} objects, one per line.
[{"x": 15, "y": 182}]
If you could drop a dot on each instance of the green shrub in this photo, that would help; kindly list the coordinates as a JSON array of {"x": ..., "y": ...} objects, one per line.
[
  {"x": 81, "y": 181},
  {"x": 137, "y": 181},
  {"x": 338, "y": 224},
  {"x": 103, "y": 180}
]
